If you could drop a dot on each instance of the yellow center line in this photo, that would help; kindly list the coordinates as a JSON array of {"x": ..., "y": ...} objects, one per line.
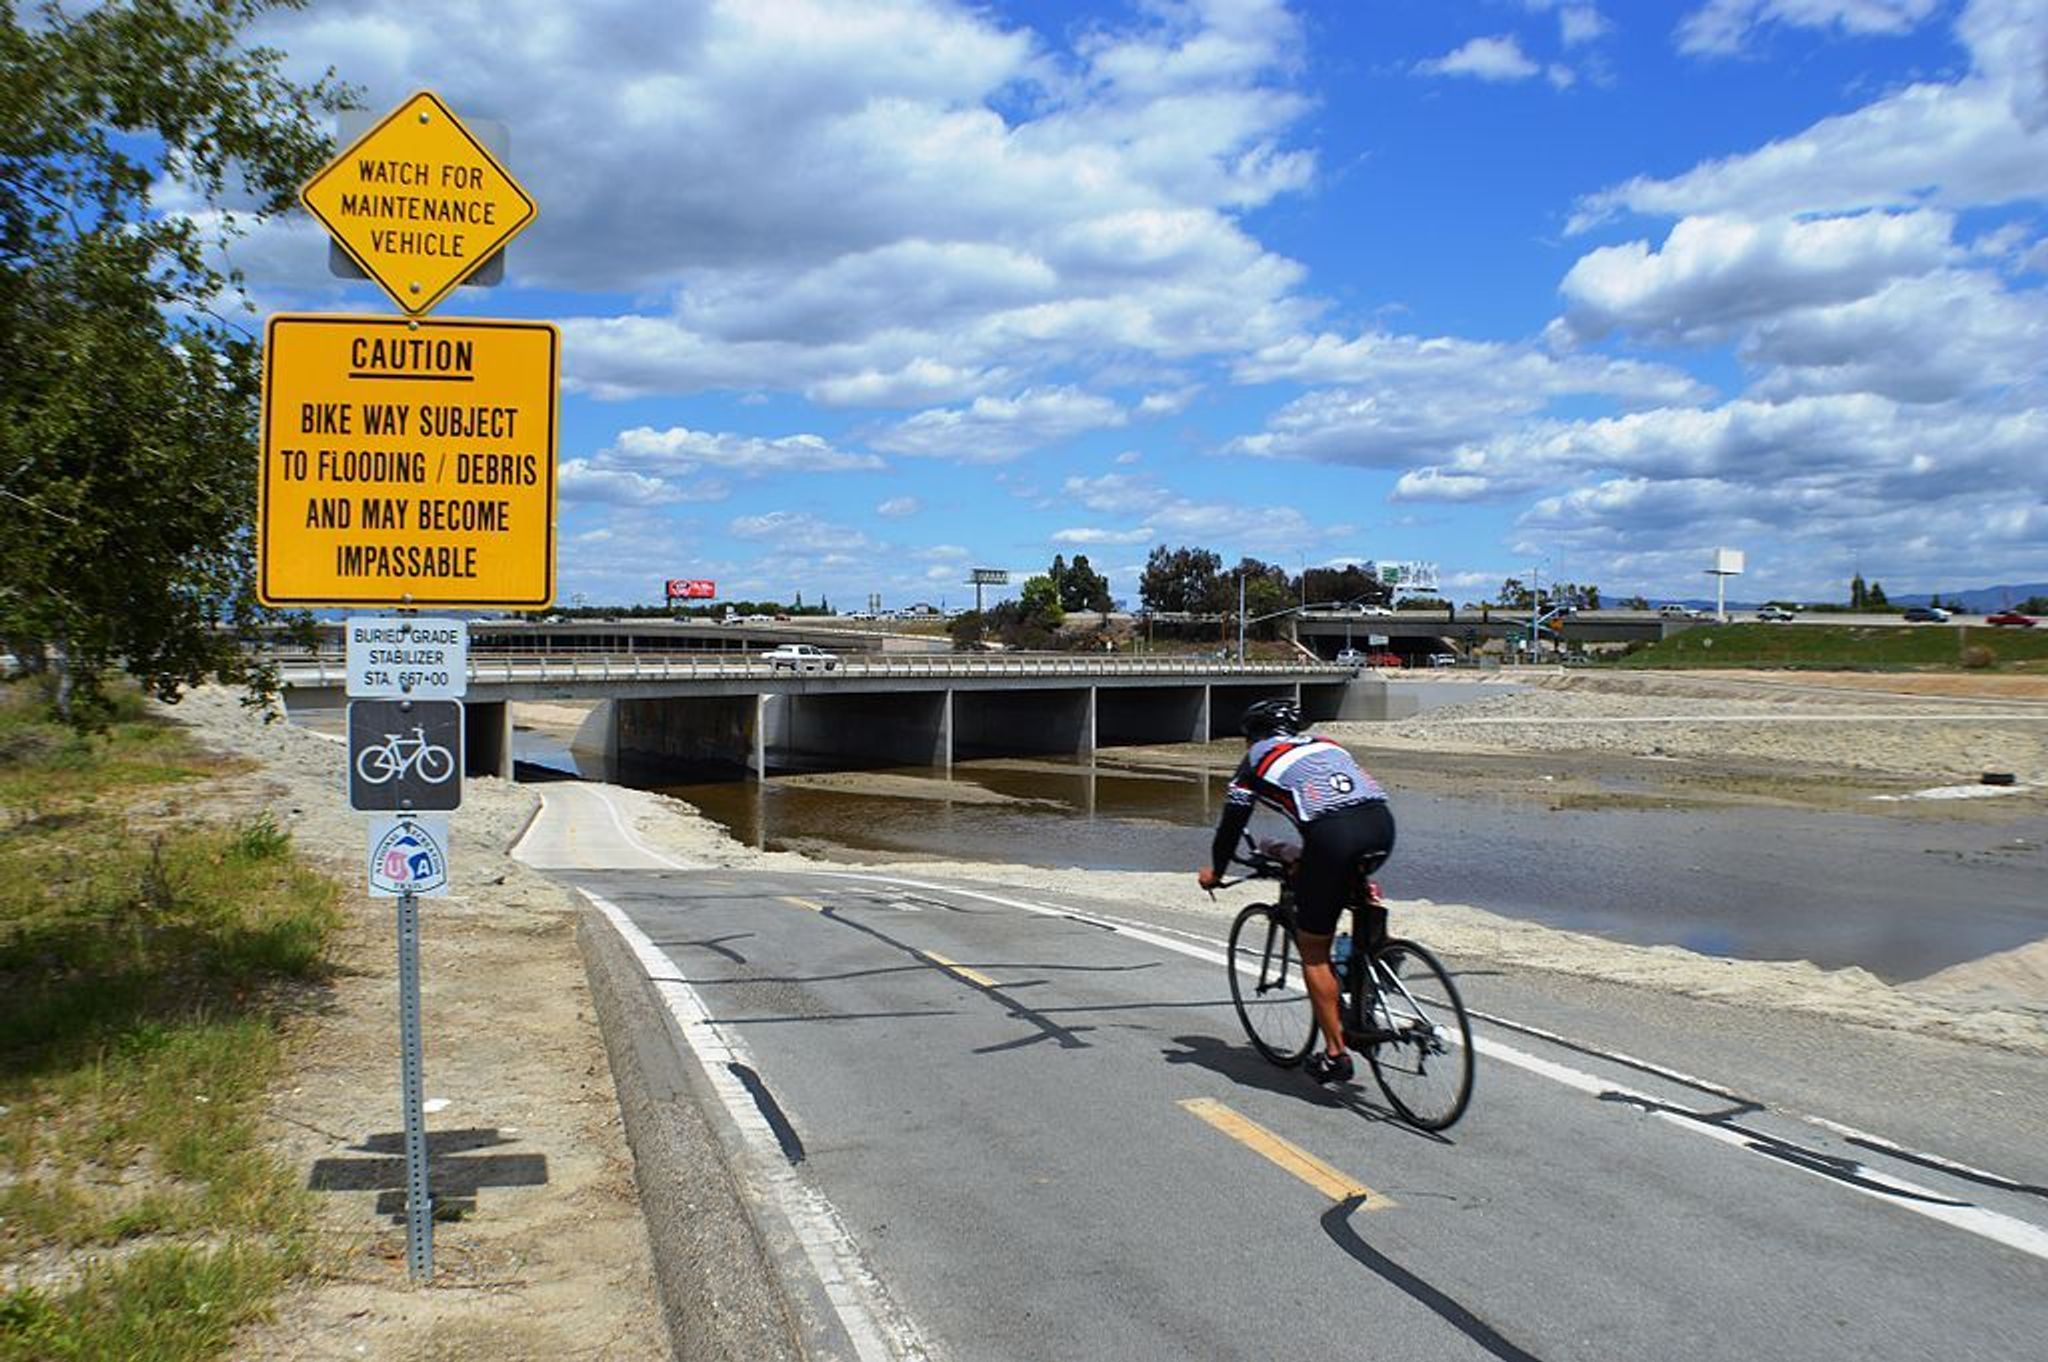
[
  {"x": 972, "y": 976},
  {"x": 803, "y": 903},
  {"x": 1292, "y": 1157}
]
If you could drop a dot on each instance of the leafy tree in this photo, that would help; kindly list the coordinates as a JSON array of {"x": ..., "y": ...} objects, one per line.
[
  {"x": 1039, "y": 600},
  {"x": 128, "y": 410},
  {"x": 1514, "y": 593},
  {"x": 1859, "y": 594},
  {"x": 1877, "y": 600},
  {"x": 967, "y": 630},
  {"x": 1268, "y": 590},
  {"x": 1181, "y": 579},
  {"x": 1345, "y": 584},
  {"x": 1636, "y": 603},
  {"x": 1080, "y": 586}
]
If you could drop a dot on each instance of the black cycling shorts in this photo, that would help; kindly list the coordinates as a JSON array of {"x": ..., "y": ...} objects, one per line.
[{"x": 1331, "y": 848}]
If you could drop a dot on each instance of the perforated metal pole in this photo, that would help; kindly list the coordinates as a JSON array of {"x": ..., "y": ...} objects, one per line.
[{"x": 419, "y": 1206}]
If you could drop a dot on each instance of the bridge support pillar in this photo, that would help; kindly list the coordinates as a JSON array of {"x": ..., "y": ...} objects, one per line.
[
  {"x": 1151, "y": 714},
  {"x": 1227, "y": 703},
  {"x": 487, "y": 740},
  {"x": 909, "y": 729},
  {"x": 1005, "y": 723},
  {"x": 695, "y": 731}
]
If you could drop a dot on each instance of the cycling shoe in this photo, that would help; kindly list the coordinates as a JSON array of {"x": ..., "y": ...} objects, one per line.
[{"x": 1327, "y": 1068}]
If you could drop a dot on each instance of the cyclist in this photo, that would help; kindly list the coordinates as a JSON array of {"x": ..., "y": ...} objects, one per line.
[{"x": 1342, "y": 815}]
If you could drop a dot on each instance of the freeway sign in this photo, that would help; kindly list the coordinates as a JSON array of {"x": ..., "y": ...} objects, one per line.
[
  {"x": 418, "y": 202},
  {"x": 407, "y": 463}
]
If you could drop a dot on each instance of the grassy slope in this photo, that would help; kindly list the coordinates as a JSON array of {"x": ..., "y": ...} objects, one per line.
[
  {"x": 1845, "y": 647},
  {"x": 143, "y": 959}
]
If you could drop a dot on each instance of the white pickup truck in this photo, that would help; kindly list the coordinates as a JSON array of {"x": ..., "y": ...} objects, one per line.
[{"x": 801, "y": 657}]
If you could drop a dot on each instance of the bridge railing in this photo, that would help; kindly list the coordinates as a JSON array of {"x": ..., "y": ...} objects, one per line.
[{"x": 511, "y": 668}]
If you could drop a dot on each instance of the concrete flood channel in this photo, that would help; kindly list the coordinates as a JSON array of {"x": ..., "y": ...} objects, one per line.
[{"x": 1900, "y": 897}]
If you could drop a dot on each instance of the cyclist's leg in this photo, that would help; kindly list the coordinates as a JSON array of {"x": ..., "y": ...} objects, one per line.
[
  {"x": 1332, "y": 848},
  {"x": 1320, "y": 980}
]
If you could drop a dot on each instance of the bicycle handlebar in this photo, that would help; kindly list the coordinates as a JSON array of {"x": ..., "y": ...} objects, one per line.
[{"x": 1263, "y": 865}]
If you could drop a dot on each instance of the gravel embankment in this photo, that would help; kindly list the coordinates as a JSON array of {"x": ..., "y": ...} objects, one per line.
[{"x": 1939, "y": 738}]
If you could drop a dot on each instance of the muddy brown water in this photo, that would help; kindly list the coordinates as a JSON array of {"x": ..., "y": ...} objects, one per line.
[{"x": 1900, "y": 897}]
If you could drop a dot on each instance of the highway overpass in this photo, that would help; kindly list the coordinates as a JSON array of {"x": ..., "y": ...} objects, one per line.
[{"x": 875, "y": 709}]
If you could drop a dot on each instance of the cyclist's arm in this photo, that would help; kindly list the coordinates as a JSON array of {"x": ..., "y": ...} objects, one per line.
[{"x": 1237, "y": 812}]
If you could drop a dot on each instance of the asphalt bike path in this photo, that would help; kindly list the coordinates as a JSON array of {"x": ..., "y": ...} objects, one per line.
[{"x": 1013, "y": 1126}]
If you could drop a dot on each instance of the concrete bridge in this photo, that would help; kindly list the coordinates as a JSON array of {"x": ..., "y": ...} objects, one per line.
[
  {"x": 1412, "y": 632},
  {"x": 873, "y": 710}
]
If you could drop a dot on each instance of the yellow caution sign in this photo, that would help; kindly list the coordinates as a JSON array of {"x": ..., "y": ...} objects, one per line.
[
  {"x": 418, "y": 202},
  {"x": 407, "y": 463}
]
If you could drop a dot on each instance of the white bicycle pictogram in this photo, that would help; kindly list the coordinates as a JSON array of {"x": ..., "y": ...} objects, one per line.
[{"x": 400, "y": 754}]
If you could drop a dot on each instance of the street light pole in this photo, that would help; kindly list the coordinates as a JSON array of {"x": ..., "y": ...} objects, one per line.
[{"x": 1240, "y": 618}]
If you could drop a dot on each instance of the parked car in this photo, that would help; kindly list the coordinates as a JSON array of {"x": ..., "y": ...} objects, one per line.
[
  {"x": 2013, "y": 618},
  {"x": 1385, "y": 660},
  {"x": 1350, "y": 657},
  {"x": 1443, "y": 659},
  {"x": 801, "y": 657},
  {"x": 1925, "y": 614},
  {"x": 1674, "y": 609},
  {"x": 1374, "y": 610},
  {"x": 1776, "y": 613}
]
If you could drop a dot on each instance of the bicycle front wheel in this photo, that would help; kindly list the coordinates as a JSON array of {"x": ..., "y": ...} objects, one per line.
[
  {"x": 1267, "y": 986},
  {"x": 1425, "y": 1068}
]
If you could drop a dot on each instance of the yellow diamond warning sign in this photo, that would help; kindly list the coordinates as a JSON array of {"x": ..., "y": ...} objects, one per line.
[
  {"x": 407, "y": 463},
  {"x": 418, "y": 202}
]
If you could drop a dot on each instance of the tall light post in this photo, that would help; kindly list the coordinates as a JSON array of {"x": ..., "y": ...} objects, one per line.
[{"x": 1240, "y": 617}]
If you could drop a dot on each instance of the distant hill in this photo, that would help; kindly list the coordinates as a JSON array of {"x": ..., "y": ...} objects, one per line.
[
  {"x": 1984, "y": 598},
  {"x": 1977, "y": 601}
]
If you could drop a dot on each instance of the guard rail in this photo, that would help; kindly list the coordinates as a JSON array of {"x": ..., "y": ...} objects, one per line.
[{"x": 513, "y": 667}]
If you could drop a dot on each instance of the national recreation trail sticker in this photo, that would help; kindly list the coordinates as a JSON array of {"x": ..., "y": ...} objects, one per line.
[{"x": 408, "y": 856}]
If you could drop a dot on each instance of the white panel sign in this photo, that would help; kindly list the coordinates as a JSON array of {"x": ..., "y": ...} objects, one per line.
[
  {"x": 1727, "y": 562},
  {"x": 395, "y": 657},
  {"x": 408, "y": 854}
]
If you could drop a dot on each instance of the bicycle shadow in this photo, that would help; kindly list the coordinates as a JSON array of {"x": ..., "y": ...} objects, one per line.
[{"x": 1247, "y": 1068}]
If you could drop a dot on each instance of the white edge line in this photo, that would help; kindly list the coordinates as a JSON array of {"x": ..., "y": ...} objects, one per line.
[
  {"x": 632, "y": 839},
  {"x": 1994, "y": 1225},
  {"x": 878, "y": 1330}
]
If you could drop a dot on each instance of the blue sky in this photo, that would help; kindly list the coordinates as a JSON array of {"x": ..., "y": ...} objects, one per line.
[{"x": 858, "y": 295}]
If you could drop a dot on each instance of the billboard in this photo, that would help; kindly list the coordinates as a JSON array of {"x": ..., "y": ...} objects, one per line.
[
  {"x": 1727, "y": 563},
  {"x": 691, "y": 589}
]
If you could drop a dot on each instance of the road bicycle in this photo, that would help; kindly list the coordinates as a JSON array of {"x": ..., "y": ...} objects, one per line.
[
  {"x": 1397, "y": 1003},
  {"x": 399, "y": 754}
]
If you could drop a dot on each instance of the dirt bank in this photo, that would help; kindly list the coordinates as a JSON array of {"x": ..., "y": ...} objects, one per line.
[{"x": 515, "y": 1075}]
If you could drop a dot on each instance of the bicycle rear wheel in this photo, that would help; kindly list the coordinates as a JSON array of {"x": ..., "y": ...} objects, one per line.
[
  {"x": 1266, "y": 984},
  {"x": 1425, "y": 1069}
]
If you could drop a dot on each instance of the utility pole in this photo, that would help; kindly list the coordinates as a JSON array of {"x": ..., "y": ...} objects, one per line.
[{"x": 1240, "y": 618}]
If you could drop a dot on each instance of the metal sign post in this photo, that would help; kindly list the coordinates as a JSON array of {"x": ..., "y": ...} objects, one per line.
[
  {"x": 419, "y": 1203},
  {"x": 409, "y": 462}
]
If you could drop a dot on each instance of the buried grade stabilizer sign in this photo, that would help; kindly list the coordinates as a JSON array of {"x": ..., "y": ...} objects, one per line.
[
  {"x": 418, "y": 202},
  {"x": 399, "y": 655},
  {"x": 407, "y": 463}
]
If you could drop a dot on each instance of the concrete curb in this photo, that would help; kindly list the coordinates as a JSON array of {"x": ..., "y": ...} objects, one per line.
[{"x": 723, "y": 1297}]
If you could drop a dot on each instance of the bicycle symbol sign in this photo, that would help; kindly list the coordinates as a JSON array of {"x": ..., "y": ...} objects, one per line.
[{"x": 404, "y": 756}]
